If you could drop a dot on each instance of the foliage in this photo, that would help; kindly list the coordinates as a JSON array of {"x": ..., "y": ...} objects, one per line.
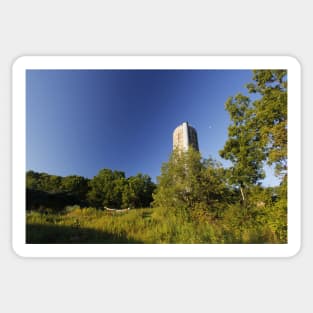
[
  {"x": 271, "y": 113},
  {"x": 154, "y": 226},
  {"x": 107, "y": 189},
  {"x": 43, "y": 188},
  {"x": 75, "y": 185},
  {"x": 41, "y": 200},
  {"x": 43, "y": 181},
  {"x": 243, "y": 147},
  {"x": 179, "y": 183},
  {"x": 259, "y": 129},
  {"x": 111, "y": 189},
  {"x": 192, "y": 185},
  {"x": 137, "y": 192}
]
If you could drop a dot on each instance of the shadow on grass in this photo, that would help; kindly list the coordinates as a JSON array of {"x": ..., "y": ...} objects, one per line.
[{"x": 54, "y": 234}]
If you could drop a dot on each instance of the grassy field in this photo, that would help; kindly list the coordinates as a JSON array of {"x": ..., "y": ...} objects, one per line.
[{"x": 88, "y": 225}]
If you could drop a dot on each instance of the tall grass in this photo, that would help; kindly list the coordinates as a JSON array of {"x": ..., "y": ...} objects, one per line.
[{"x": 158, "y": 225}]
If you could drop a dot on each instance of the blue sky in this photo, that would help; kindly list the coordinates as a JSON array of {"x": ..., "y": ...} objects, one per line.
[{"x": 80, "y": 121}]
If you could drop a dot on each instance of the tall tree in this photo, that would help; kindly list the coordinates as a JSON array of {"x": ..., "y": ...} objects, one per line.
[
  {"x": 243, "y": 147},
  {"x": 259, "y": 129},
  {"x": 270, "y": 86},
  {"x": 193, "y": 187},
  {"x": 179, "y": 185}
]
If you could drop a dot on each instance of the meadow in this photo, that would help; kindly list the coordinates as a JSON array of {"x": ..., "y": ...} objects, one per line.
[{"x": 148, "y": 225}]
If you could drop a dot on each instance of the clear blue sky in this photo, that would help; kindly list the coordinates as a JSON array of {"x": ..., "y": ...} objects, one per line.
[{"x": 80, "y": 121}]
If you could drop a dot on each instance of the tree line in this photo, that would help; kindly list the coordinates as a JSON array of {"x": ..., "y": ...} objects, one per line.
[{"x": 107, "y": 189}]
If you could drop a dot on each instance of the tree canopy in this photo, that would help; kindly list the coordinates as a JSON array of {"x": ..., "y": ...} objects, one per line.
[
  {"x": 189, "y": 182},
  {"x": 258, "y": 130},
  {"x": 107, "y": 189},
  {"x": 270, "y": 110}
]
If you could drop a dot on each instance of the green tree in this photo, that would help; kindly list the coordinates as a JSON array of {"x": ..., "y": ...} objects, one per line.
[
  {"x": 76, "y": 186},
  {"x": 218, "y": 192},
  {"x": 179, "y": 185},
  {"x": 270, "y": 110},
  {"x": 138, "y": 191},
  {"x": 193, "y": 187},
  {"x": 106, "y": 189},
  {"x": 33, "y": 180},
  {"x": 43, "y": 181},
  {"x": 243, "y": 147}
]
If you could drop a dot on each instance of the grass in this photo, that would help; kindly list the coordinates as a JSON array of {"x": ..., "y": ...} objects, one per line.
[{"x": 88, "y": 225}]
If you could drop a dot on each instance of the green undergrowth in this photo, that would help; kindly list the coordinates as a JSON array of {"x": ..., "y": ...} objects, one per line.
[{"x": 157, "y": 225}]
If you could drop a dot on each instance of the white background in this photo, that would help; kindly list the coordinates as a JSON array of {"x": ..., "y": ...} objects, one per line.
[{"x": 148, "y": 28}]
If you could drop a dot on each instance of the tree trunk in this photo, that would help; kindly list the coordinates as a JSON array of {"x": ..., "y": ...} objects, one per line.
[{"x": 242, "y": 194}]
